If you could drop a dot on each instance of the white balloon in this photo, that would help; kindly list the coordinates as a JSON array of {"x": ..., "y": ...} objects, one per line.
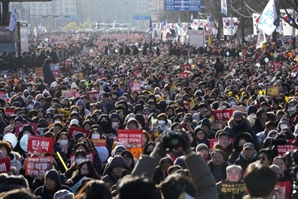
[
  {"x": 11, "y": 138},
  {"x": 24, "y": 143},
  {"x": 266, "y": 59}
]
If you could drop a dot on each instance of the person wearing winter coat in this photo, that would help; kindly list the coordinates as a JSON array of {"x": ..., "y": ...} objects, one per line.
[
  {"x": 82, "y": 108},
  {"x": 47, "y": 73},
  {"x": 218, "y": 165},
  {"x": 247, "y": 156},
  {"x": 115, "y": 170},
  {"x": 51, "y": 185}
]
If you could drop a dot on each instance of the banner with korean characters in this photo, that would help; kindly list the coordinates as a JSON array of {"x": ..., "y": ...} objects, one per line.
[
  {"x": 19, "y": 127},
  {"x": 93, "y": 95},
  {"x": 283, "y": 149},
  {"x": 74, "y": 130},
  {"x": 64, "y": 113},
  {"x": 222, "y": 115},
  {"x": 132, "y": 137},
  {"x": 5, "y": 165},
  {"x": 39, "y": 144},
  {"x": 38, "y": 166}
]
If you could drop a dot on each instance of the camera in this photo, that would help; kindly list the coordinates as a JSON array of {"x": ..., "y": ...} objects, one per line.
[{"x": 172, "y": 139}]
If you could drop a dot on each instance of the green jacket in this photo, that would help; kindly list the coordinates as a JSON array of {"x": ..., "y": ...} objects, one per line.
[{"x": 203, "y": 180}]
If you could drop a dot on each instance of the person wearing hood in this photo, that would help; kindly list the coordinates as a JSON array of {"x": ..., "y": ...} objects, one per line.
[
  {"x": 261, "y": 119},
  {"x": 106, "y": 106},
  {"x": 129, "y": 159},
  {"x": 47, "y": 73},
  {"x": 238, "y": 143},
  {"x": 238, "y": 124},
  {"x": 106, "y": 125},
  {"x": 51, "y": 185},
  {"x": 247, "y": 156},
  {"x": 115, "y": 170},
  {"x": 201, "y": 136},
  {"x": 82, "y": 108}
]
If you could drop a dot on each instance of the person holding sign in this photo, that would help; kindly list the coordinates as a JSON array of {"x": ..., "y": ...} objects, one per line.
[{"x": 233, "y": 186}]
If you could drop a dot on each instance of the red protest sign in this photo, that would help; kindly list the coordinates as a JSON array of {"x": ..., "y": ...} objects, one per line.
[
  {"x": 38, "y": 72},
  {"x": 282, "y": 149},
  {"x": 99, "y": 142},
  {"x": 40, "y": 144},
  {"x": 5, "y": 165},
  {"x": 74, "y": 130},
  {"x": 220, "y": 115},
  {"x": 239, "y": 108},
  {"x": 19, "y": 127},
  {"x": 132, "y": 137},
  {"x": 278, "y": 64},
  {"x": 2, "y": 94},
  {"x": 89, "y": 156},
  {"x": 93, "y": 95},
  {"x": 9, "y": 111},
  {"x": 286, "y": 186},
  {"x": 213, "y": 142},
  {"x": 183, "y": 75},
  {"x": 38, "y": 166},
  {"x": 187, "y": 67},
  {"x": 67, "y": 93}
]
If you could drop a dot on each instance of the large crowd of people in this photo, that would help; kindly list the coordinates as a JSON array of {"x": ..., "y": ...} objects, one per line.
[{"x": 125, "y": 115}]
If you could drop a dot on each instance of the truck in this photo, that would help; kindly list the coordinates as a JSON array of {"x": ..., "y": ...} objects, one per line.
[{"x": 16, "y": 40}]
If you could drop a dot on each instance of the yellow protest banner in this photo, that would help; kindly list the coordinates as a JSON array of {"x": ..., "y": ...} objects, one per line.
[
  {"x": 65, "y": 113},
  {"x": 273, "y": 91}
]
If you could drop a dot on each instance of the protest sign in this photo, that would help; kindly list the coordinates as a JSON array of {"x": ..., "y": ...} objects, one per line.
[
  {"x": 2, "y": 95},
  {"x": 92, "y": 95},
  {"x": 38, "y": 72},
  {"x": 183, "y": 75},
  {"x": 238, "y": 108},
  {"x": 99, "y": 142},
  {"x": 273, "y": 91},
  {"x": 64, "y": 113},
  {"x": 74, "y": 130},
  {"x": 282, "y": 149},
  {"x": 67, "y": 93},
  {"x": 286, "y": 186},
  {"x": 222, "y": 115},
  {"x": 40, "y": 144},
  {"x": 38, "y": 166},
  {"x": 233, "y": 189},
  {"x": 136, "y": 86},
  {"x": 19, "y": 128},
  {"x": 9, "y": 111},
  {"x": 89, "y": 156},
  {"x": 56, "y": 73},
  {"x": 132, "y": 137},
  {"x": 5, "y": 165}
]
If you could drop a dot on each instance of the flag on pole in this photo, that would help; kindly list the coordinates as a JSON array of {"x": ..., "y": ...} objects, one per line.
[
  {"x": 224, "y": 7},
  {"x": 150, "y": 25},
  {"x": 163, "y": 24},
  {"x": 13, "y": 20},
  {"x": 268, "y": 18},
  {"x": 261, "y": 39},
  {"x": 35, "y": 30}
]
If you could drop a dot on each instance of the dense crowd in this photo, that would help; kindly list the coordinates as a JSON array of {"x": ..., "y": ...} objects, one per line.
[{"x": 126, "y": 115}]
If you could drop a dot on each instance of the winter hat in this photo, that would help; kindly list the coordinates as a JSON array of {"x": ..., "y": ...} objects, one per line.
[
  {"x": 201, "y": 147},
  {"x": 73, "y": 85},
  {"x": 115, "y": 115},
  {"x": 138, "y": 107},
  {"x": 133, "y": 120},
  {"x": 62, "y": 194},
  {"x": 9, "y": 183},
  {"x": 19, "y": 119},
  {"x": 53, "y": 175},
  {"x": 119, "y": 148},
  {"x": 78, "y": 136},
  {"x": 206, "y": 122},
  {"x": 54, "y": 84},
  {"x": 180, "y": 161},
  {"x": 27, "y": 127},
  {"x": 237, "y": 114},
  {"x": 252, "y": 109},
  {"x": 74, "y": 121}
]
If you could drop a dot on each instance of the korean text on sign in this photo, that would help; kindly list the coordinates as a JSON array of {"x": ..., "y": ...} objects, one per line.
[
  {"x": 282, "y": 149},
  {"x": 74, "y": 130},
  {"x": 92, "y": 96},
  {"x": 5, "y": 165},
  {"x": 38, "y": 166},
  {"x": 220, "y": 115},
  {"x": 132, "y": 137},
  {"x": 40, "y": 144}
]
